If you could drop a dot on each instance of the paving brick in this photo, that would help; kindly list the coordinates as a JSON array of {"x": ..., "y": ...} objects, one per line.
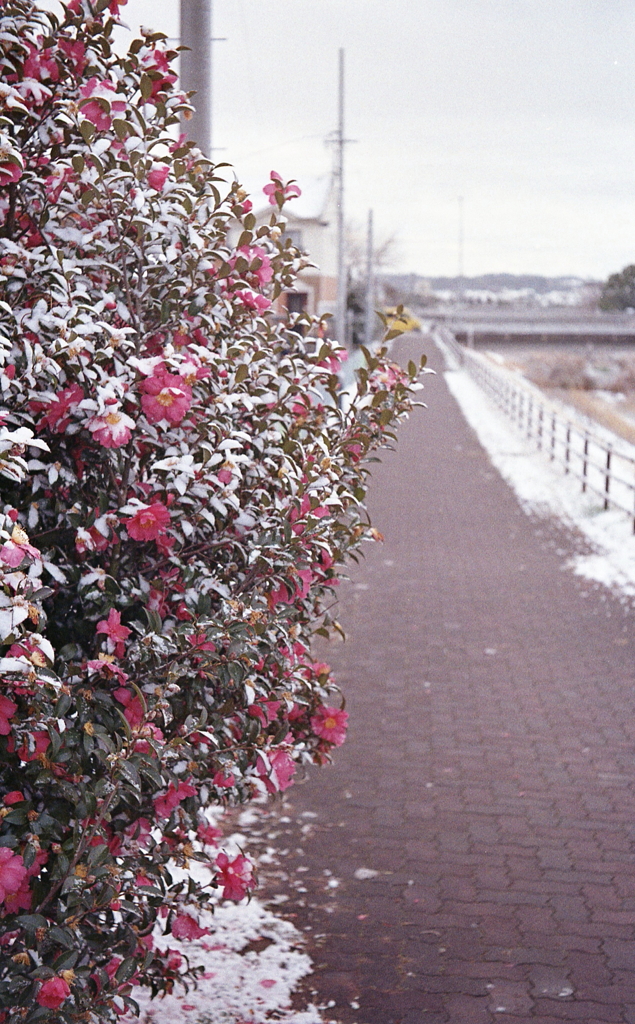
[{"x": 501, "y": 785}]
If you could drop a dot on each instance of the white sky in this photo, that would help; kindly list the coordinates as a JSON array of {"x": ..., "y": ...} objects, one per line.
[{"x": 524, "y": 107}]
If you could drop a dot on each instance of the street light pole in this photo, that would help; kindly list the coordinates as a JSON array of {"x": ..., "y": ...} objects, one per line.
[
  {"x": 370, "y": 284},
  {"x": 340, "y": 308},
  {"x": 196, "y": 68}
]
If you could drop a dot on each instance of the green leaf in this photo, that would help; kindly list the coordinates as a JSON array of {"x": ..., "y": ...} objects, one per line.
[
  {"x": 154, "y": 620},
  {"x": 87, "y": 128},
  {"x": 128, "y": 771},
  {"x": 78, "y": 163},
  {"x": 146, "y": 86},
  {"x": 62, "y": 936},
  {"x": 385, "y": 417},
  {"x": 126, "y": 969},
  {"x": 30, "y": 922},
  {"x": 241, "y": 373}
]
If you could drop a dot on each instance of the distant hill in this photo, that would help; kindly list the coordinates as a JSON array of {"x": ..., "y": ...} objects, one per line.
[{"x": 490, "y": 290}]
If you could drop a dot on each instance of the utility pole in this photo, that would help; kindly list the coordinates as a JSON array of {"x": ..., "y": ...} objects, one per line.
[
  {"x": 340, "y": 309},
  {"x": 196, "y": 69},
  {"x": 370, "y": 284}
]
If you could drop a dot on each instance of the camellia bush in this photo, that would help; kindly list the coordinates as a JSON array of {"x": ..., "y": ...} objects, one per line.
[{"x": 179, "y": 487}]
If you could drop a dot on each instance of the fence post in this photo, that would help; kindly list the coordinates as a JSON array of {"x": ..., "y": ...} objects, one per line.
[
  {"x": 607, "y": 478},
  {"x": 553, "y": 436},
  {"x": 540, "y": 418},
  {"x": 530, "y": 413},
  {"x": 584, "y": 462},
  {"x": 567, "y": 451}
]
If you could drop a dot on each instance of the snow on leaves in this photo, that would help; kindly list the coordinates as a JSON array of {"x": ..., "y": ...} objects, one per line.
[{"x": 179, "y": 493}]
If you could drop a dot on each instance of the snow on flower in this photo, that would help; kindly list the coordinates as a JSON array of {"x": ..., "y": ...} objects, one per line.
[
  {"x": 157, "y": 65},
  {"x": 166, "y": 396},
  {"x": 33, "y": 745},
  {"x": 158, "y": 176},
  {"x": 15, "y": 549},
  {"x": 255, "y": 253},
  {"x": 59, "y": 409},
  {"x": 278, "y": 776},
  {"x": 11, "y": 162},
  {"x": 98, "y": 103},
  {"x": 112, "y": 429},
  {"x": 12, "y": 872},
  {"x": 330, "y": 724},
  {"x": 41, "y": 64},
  {"x": 252, "y": 300},
  {"x": 236, "y": 876},
  {"x": 149, "y": 522}
]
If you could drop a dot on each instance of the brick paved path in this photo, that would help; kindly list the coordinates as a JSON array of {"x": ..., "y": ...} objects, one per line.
[{"x": 489, "y": 777}]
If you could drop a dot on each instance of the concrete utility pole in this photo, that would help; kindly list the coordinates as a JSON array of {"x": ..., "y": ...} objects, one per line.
[
  {"x": 340, "y": 309},
  {"x": 196, "y": 69},
  {"x": 370, "y": 284}
]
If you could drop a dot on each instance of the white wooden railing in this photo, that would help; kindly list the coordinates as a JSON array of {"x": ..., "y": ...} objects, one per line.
[{"x": 601, "y": 467}]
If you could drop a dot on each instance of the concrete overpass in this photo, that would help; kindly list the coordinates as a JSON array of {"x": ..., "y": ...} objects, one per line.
[{"x": 476, "y": 327}]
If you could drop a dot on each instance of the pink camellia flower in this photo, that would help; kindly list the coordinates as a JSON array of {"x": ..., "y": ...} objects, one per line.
[
  {"x": 208, "y": 834},
  {"x": 113, "y": 429},
  {"x": 17, "y": 548},
  {"x": 115, "y": 632},
  {"x": 278, "y": 192},
  {"x": 10, "y": 170},
  {"x": 252, "y": 300},
  {"x": 53, "y": 993},
  {"x": 330, "y": 724},
  {"x": 148, "y": 523},
  {"x": 41, "y": 740},
  {"x": 114, "y": 6},
  {"x": 166, "y": 397},
  {"x": 162, "y": 74},
  {"x": 16, "y": 796},
  {"x": 59, "y": 410},
  {"x": 264, "y": 271},
  {"x": 158, "y": 176},
  {"x": 93, "y": 91},
  {"x": 224, "y": 781},
  {"x": 266, "y": 711},
  {"x": 41, "y": 64},
  {"x": 133, "y": 712},
  {"x": 12, "y": 872},
  {"x": 165, "y": 804},
  {"x": 236, "y": 876},
  {"x": 20, "y": 899},
  {"x": 185, "y": 927},
  {"x": 76, "y": 53},
  {"x": 7, "y": 709},
  {"x": 280, "y": 776}
]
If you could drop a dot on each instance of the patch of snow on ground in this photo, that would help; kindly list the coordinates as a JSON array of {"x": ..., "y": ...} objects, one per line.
[
  {"x": 544, "y": 490},
  {"x": 252, "y": 959},
  {"x": 239, "y": 985}
]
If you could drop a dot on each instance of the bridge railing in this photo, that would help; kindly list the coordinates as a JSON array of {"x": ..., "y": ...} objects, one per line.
[{"x": 601, "y": 468}]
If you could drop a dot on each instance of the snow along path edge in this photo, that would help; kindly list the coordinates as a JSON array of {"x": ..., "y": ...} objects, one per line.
[{"x": 544, "y": 491}]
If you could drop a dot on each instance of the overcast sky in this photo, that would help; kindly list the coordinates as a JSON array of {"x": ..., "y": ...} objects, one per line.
[{"x": 526, "y": 108}]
